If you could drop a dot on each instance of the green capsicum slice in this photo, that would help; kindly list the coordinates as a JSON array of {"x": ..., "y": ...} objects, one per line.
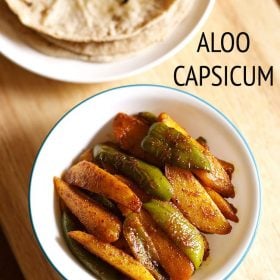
[
  {"x": 146, "y": 176},
  {"x": 141, "y": 245},
  {"x": 95, "y": 265},
  {"x": 170, "y": 146},
  {"x": 178, "y": 228}
]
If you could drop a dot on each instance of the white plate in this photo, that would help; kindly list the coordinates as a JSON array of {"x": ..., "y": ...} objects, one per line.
[
  {"x": 90, "y": 122},
  {"x": 86, "y": 72}
]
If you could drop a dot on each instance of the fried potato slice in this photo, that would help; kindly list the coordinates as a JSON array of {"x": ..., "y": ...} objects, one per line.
[
  {"x": 104, "y": 225},
  {"x": 89, "y": 176},
  {"x": 129, "y": 131},
  {"x": 141, "y": 245},
  {"x": 144, "y": 197},
  {"x": 226, "y": 208},
  {"x": 228, "y": 167},
  {"x": 217, "y": 178},
  {"x": 195, "y": 203},
  {"x": 85, "y": 155},
  {"x": 172, "y": 259},
  {"x": 114, "y": 256}
]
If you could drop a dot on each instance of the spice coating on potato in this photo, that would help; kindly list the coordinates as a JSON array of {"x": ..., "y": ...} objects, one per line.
[
  {"x": 104, "y": 225},
  {"x": 141, "y": 245},
  {"x": 148, "y": 177},
  {"x": 128, "y": 132},
  {"x": 89, "y": 176},
  {"x": 217, "y": 178},
  {"x": 226, "y": 208},
  {"x": 180, "y": 269},
  {"x": 186, "y": 236},
  {"x": 98, "y": 267},
  {"x": 228, "y": 167},
  {"x": 195, "y": 203},
  {"x": 116, "y": 257}
]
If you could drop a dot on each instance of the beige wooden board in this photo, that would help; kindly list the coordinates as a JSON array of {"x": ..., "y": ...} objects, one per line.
[{"x": 30, "y": 105}]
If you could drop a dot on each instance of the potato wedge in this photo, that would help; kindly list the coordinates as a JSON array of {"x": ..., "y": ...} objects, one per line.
[
  {"x": 141, "y": 245},
  {"x": 144, "y": 197},
  {"x": 226, "y": 208},
  {"x": 217, "y": 178},
  {"x": 85, "y": 155},
  {"x": 228, "y": 167},
  {"x": 128, "y": 132},
  {"x": 95, "y": 265},
  {"x": 172, "y": 259},
  {"x": 104, "y": 225},
  {"x": 194, "y": 202},
  {"x": 114, "y": 256},
  {"x": 89, "y": 176}
]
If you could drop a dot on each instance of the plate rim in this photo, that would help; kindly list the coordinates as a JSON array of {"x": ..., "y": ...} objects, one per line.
[{"x": 191, "y": 95}]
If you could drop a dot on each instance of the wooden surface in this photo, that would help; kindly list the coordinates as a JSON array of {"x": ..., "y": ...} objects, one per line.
[{"x": 30, "y": 105}]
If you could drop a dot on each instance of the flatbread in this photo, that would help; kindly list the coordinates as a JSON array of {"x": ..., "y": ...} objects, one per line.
[
  {"x": 148, "y": 36},
  {"x": 10, "y": 25},
  {"x": 96, "y": 52},
  {"x": 90, "y": 20}
]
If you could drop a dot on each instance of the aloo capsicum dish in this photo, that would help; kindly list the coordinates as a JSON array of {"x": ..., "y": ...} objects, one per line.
[{"x": 138, "y": 207}]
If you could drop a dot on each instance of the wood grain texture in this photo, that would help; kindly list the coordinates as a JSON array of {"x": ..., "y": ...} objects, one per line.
[{"x": 30, "y": 105}]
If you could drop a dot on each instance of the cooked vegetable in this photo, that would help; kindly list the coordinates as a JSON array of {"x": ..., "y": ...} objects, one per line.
[
  {"x": 89, "y": 176},
  {"x": 172, "y": 259},
  {"x": 146, "y": 176},
  {"x": 144, "y": 197},
  {"x": 166, "y": 119},
  {"x": 85, "y": 155},
  {"x": 122, "y": 245},
  {"x": 194, "y": 202},
  {"x": 178, "y": 228},
  {"x": 141, "y": 244},
  {"x": 128, "y": 132},
  {"x": 114, "y": 256},
  {"x": 170, "y": 146},
  {"x": 226, "y": 208},
  {"x": 217, "y": 178},
  {"x": 104, "y": 225},
  {"x": 94, "y": 264},
  {"x": 110, "y": 232},
  {"x": 206, "y": 248},
  {"x": 203, "y": 142},
  {"x": 147, "y": 117},
  {"x": 104, "y": 202},
  {"x": 228, "y": 167}
]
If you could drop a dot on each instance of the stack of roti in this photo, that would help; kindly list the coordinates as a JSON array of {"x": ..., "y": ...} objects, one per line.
[{"x": 93, "y": 30}]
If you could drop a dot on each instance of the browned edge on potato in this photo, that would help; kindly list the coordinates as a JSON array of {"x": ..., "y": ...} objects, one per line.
[
  {"x": 129, "y": 132},
  {"x": 225, "y": 207},
  {"x": 104, "y": 225},
  {"x": 217, "y": 179},
  {"x": 114, "y": 256},
  {"x": 228, "y": 166},
  {"x": 172, "y": 259},
  {"x": 194, "y": 202},
  {"x": 89, "y": 176}
]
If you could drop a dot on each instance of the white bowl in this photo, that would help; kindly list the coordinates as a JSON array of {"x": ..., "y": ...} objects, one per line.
[{"x": 90, "y": 122}]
